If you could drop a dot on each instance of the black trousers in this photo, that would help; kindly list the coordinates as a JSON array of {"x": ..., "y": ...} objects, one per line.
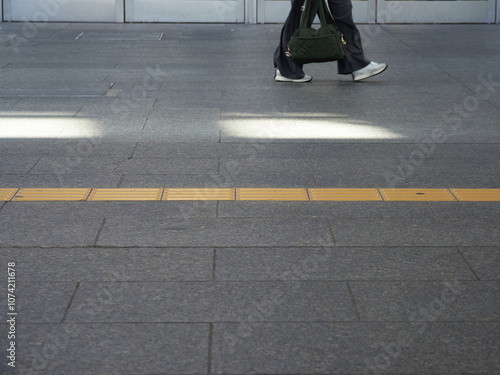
[{"x": 354, "y": 57}]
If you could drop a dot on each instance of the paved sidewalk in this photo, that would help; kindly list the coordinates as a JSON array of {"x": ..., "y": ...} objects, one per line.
[{"x": 248, "y": 287}]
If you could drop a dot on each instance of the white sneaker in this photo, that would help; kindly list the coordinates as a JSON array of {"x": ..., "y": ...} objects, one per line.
[
  {"x": 372, "y": 69},
  {"x": 278, "y": 77}
]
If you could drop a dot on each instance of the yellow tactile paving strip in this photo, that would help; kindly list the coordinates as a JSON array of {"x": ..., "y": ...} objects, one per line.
[
  {"x": 271, "y": 195},
  {"x": 249, "y": 194},
  {"x": 51, "y": 195},
  {"x": 7, "y": 194},
  {"x": 344, "y": 195},
  {"x": 199, "y": 195},
  {"x": 125, "y": 195},
  {"x": 417, "y": 195},
  {"x": 477, "y": 195}
]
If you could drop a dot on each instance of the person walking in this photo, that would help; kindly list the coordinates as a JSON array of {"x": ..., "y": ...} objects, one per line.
[{"x": 354, "y": 61}]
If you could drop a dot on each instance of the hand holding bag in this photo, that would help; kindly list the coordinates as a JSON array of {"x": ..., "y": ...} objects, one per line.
[{"x": 309, "y": 45}]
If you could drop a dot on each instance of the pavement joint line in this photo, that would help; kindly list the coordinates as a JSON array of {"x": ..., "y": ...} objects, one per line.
[
  {"x": 70, "y": 303},
  {"x": 6, "y": 195},
  {"x": 90, "y": 192},
  {"x": 353, "y": 301},
  {"x": 454, "y": 195},
  {"x": 308, "y": 194},
  {"x": 249, "y": 194},
  {"x": 464, "y": 258},
  {"x": 210, "y": 347},
  {"x": 163, "y": 192}
]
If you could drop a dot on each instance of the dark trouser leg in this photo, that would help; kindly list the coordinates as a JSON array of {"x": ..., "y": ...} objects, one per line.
[
  {"x": 354, "y": 57},
  {"x": 284, "y": 63}
]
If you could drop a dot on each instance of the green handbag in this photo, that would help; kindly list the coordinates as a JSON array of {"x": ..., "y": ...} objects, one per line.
[{"x": 309, "y": 45}]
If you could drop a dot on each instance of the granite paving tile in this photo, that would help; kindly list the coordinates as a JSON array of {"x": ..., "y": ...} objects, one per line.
[
  {"x": 458, "y": 68},
  {"x": 455, "y": 210},
  {"x": 396, "y": 348},
  {"x": 104, "y": 349},
  {"x": 239, "y": 93},
  {"x": 47, "y": 225},
  {"x": 342, "y": 263},
  {"x": 173, "y": 94},
  {"x": 181, "y": 130},
  {"x": 51, "y": 103},
  {"x": 485, "y": 261},
  {"x": 347, "y": 151},
  {"x": 19, "y": 115},
  {"x": 229, "y": 178},
  {"x": 306, "y": 129},
  {"x": 76, "y": 165},
  {"x": 168, "y": 166},
  {"x": 37, "y": 126},
  {"x": 448, "y": 300},
  {"x": 266, "y": 166},
  {"x": 57, "y": 87},
  {"x": 37, "y": 148},
  {"x": 191, "y": 181},
  {"x": 97, "y": 210},
  {"x": 154, "y": 212},
  {"x": 142, "y": 231},
  {"x": 243, "y": 108},
  {"x": 487, "y": 135},
  {"x": 459, "y": 174},
  {"x": 366, "y": 174},
  {"x": 91, "y": 78},
  {"x": 17, "y": 165},
  {"x": 179, "y": 102},
  {"x": 101, "y": 128},
  {"x": 227, "y": 150},
  {"x": 450, "y": 154},
  {"x": 66, "y": 181},
  {"x": 177, "y": 150},
  {"x": 191, "y": 113},
  {"x": 258, "y": 150},
  {"x": 339, "y": 164},
  {"x": 92, "y": 147},
  {"x": 8, "y": 103},
  {"x": 459, "y": 117},
  {"x": 271, "y": 129},
  {"x": 41, "y": 302},
  {"x": 326, "y": 209},
  {"x": 107, "y": 264},
  {"x": 233, "y": 175},
  {"x": 216, "y": 302},
  {"x": 416, "y": 232}
]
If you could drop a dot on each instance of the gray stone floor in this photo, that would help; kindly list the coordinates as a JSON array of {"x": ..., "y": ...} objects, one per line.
[{"x": 151, "y": 288}]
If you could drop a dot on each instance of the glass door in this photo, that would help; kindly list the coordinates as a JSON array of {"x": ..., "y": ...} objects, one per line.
[
  {"x": 431, "y": 11},
  {"x": 223, "y": 11},
  {"x": 63, "y": 10},
  {"x": 243, "y": 11}
]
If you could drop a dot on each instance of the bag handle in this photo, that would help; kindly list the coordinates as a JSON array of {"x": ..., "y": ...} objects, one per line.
[{"x": 324, "y": 14}]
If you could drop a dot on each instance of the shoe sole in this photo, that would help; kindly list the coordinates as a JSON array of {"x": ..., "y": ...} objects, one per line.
[
  {"x": 365, "y": 76},
  {"x": 284, "y": 79}
]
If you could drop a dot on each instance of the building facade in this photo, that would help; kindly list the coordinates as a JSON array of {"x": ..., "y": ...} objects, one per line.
[{"x": 242, "y": 11}]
